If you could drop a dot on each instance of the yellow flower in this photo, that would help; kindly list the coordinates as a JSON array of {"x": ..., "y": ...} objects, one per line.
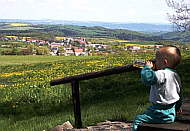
[
  {"x": 14, "y": 73},
  {"x": 2, "y": 86}
]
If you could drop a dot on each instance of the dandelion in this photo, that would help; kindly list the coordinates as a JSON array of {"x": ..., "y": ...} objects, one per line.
[{"x": 2, "y": 86}]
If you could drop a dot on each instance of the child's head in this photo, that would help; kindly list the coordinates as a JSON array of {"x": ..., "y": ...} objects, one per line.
[{"x": 168, "y": 56}]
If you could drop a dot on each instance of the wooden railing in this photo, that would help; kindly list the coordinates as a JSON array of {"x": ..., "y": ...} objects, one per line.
[{"x": 74, "y": 80}]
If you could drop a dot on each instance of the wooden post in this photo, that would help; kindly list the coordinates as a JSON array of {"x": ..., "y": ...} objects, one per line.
[
  {"x": 76, "y": 103},
  {"x": 74, "y": 80}
]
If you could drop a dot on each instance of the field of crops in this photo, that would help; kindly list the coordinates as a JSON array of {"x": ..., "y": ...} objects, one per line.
[{"x": 27, "y": 99}]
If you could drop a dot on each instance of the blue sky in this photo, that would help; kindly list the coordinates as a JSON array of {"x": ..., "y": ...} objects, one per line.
[{"x": 141, "y": 11}]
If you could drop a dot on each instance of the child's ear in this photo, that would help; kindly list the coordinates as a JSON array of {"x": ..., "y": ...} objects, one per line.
[{"x": 165, "y": 61}]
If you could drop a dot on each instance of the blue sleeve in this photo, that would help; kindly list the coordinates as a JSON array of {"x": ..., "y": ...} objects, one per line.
[{"x": 148, "y": 76}]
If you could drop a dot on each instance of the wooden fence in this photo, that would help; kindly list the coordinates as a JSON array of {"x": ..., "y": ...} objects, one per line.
[{"x": 74, "y": 80}]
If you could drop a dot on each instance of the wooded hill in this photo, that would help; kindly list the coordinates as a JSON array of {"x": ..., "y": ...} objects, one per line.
[
  {"x": 177, "y": 36},
  {"x": 49, "y": 31}
]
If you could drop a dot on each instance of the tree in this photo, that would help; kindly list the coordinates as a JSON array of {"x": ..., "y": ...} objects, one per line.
[
  {"x": 42, "y": 50},
  {"x": 181, "y": 16},
  {"x": 32, "y": 48},
  {"x": 61, "y": 51}
]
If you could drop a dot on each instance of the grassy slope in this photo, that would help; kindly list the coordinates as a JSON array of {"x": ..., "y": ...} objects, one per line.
[
  {"x": 101, "y": 99},
  {"x": 48, "y": 31},
  {"x": 72, "y": 30},
  {"x": 179, "y": 36}
]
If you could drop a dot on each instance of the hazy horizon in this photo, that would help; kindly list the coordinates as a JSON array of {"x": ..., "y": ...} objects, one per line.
[
  {"x": 83, "y": 21},
  {"x": 117, "y": 11}
]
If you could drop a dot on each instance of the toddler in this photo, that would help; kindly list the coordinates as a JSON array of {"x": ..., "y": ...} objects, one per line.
[{"x": 165, "y": 87}]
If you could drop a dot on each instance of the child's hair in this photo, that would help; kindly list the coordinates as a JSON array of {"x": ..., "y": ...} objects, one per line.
[{"x": 172, "y": 54}]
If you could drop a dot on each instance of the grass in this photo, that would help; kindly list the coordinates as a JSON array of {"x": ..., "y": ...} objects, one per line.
[
  {"x": 115, "y": 97},
  {"x": 100, "y": 100},
  {"x": 32, "y": 59}
]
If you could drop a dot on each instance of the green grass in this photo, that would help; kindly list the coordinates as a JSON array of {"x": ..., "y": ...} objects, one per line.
[
  {"x": 30, "y": 59},
  {"x": 100, "y": 100},
  {"x": 41, "y": 107},
  {"x": 73, "y": 31}
]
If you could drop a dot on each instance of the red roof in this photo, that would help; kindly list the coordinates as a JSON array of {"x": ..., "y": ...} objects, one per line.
[{"x": 78, "y": 50}]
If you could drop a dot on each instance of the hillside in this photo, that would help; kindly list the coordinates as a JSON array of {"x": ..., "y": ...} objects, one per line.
[
  {"x": 48, "y": 31},
  {"x": 140, "y": 27},
  {"x": 26, "y": 29},
  {"x": 177, "y": 36},
  {"x": 29, "y": 103}
]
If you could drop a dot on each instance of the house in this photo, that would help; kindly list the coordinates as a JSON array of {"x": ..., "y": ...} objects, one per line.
[
  {"x": 52, "y": 45},
  {"x": 68, "y": 40},
  {"x": 148, "y": 48},
  {"x": 96, "y": 45},
  {"x": 79, "y": 52},
  {"x": 42, "y": 42},
  {"x": 133, "y": 48},
  {"x": 152, "y": 46},
  {"x": 81, "y": 40},
  {"x": 74, "y": 51},
  {"x": 30, "y": 40},
  {"x": 69, "y": 52}
]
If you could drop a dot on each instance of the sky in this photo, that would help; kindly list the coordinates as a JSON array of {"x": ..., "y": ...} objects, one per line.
[{"x": 138, "y": 11}]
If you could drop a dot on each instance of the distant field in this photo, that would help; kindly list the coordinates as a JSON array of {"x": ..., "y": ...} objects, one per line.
[
  {"x": 16, "y": 26},
  {"x": 19, "y": 24},
  {"x": 18, "y": 60},
  {"x": 19, "y": 28}
]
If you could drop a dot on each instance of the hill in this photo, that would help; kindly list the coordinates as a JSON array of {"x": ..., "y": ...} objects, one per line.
[
  {"x": 48, "y": 31},
  {"x": 26, "y": 29},
  {"x": 177, "y": 36},
  {"x": 140, "y": 27}
]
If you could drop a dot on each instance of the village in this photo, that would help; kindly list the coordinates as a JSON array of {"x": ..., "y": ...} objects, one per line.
[{"x": 68, "y": 46}]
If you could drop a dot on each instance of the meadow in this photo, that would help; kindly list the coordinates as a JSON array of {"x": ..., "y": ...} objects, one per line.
[
  {"x": 29, "y": 103},
  {"x": 32, "y": 59}
]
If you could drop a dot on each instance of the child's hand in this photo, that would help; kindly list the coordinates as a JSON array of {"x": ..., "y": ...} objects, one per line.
[
  {"x": 150, "y": 64},
  {"x": 179, "y": 111}
]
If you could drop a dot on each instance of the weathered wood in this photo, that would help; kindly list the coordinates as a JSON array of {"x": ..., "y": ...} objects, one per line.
[
  {"x": 116, "y": 70},
  {"x": 74, "y": 80},
  {"x": 181, "y": 125},
  {"x": 76, "y": 103},
  {"x": 176, "y": 126}
]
